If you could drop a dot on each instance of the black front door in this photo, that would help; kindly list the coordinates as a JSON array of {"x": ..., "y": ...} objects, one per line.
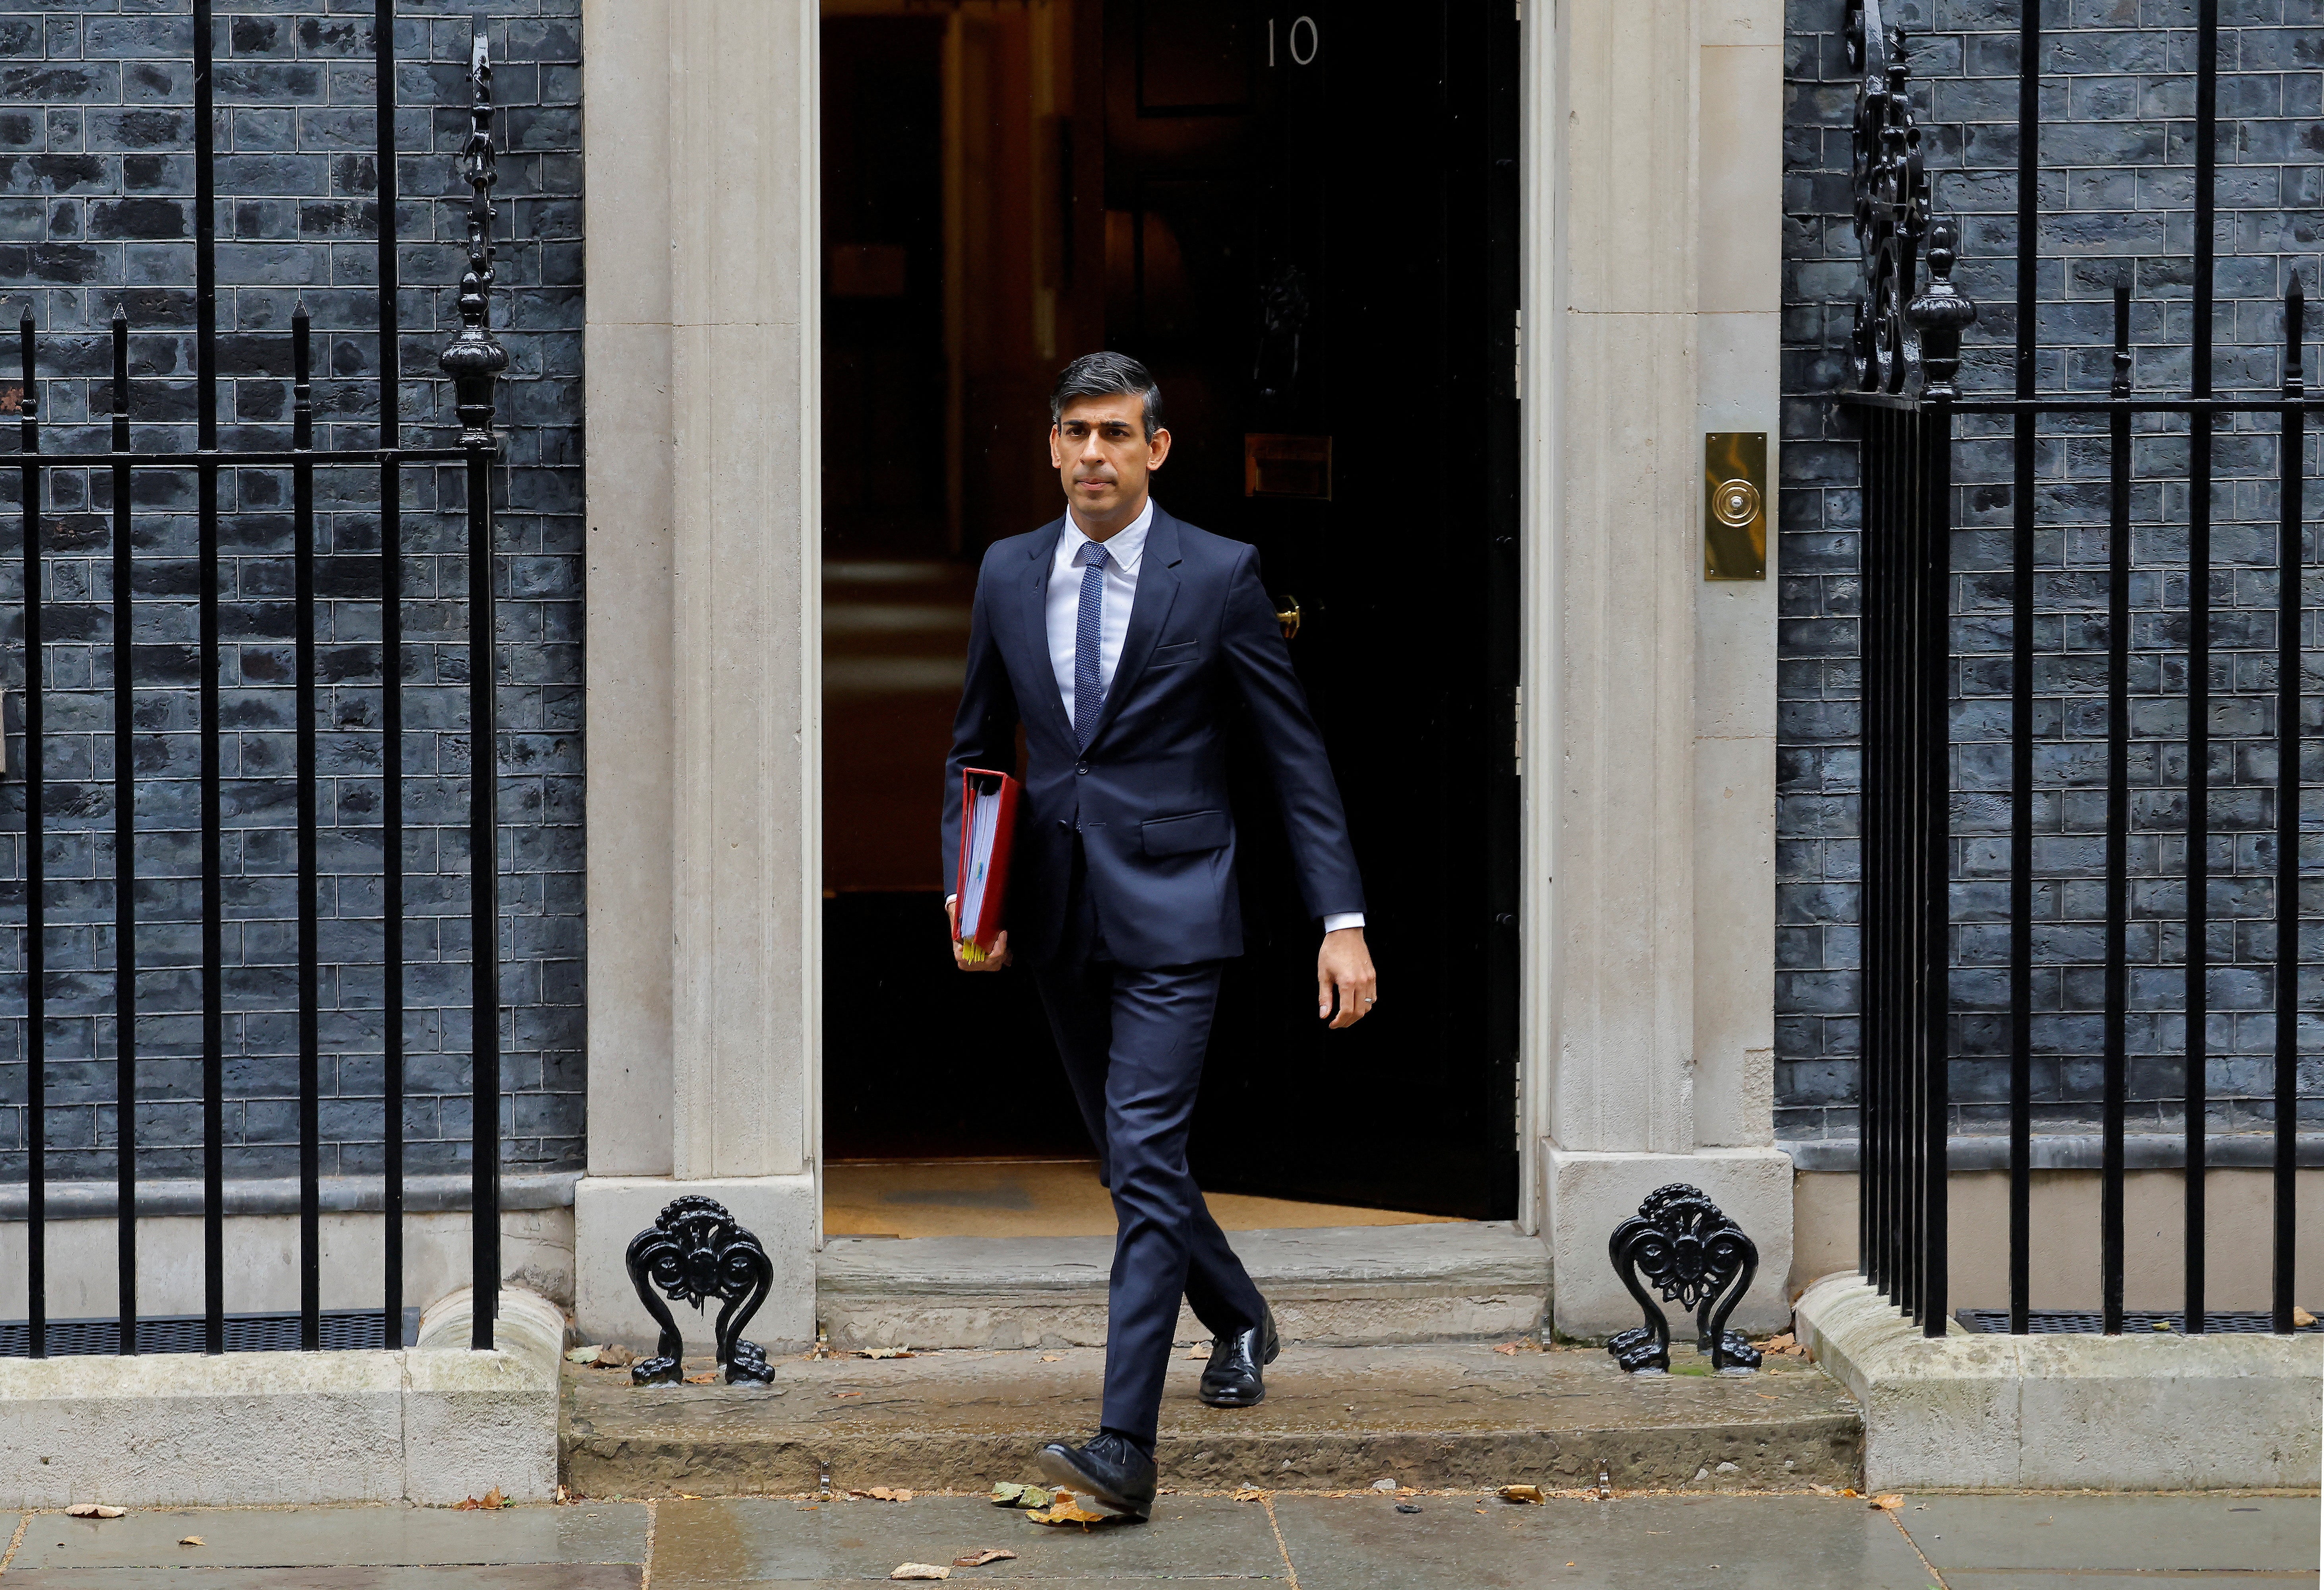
[{"x": 1310, "y": 238}]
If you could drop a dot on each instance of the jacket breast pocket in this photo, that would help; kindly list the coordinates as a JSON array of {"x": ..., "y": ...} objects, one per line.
[
  {"x": 1173, "y": 656},
  {"x": 1183, "y": 835}
]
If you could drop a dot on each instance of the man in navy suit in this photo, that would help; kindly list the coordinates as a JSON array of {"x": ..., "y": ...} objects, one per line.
[{"x": 1117, "y": 635}]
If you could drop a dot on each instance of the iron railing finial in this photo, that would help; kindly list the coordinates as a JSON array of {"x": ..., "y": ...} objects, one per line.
[
  {"x": 475, "y": 358},
  {"x": 1940, "y": 314}
]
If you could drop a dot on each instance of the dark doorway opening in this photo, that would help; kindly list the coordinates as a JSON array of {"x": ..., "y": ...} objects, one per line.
[{"x": 1305, "y": 223}]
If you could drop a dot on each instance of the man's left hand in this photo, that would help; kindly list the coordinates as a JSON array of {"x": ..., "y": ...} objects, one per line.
[{"x": 1344, "y": 967}]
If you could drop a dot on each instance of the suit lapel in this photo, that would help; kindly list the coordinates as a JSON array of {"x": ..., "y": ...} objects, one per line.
[
  {"x": 1036, "y": 623},
  {"x": 1158, "y": 588}
]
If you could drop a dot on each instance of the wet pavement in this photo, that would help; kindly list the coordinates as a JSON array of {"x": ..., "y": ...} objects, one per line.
[{"x": 1464, "y": 1541}]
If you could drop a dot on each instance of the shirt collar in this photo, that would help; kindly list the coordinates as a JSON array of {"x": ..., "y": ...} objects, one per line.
[{"x": 1124, "y": 549}]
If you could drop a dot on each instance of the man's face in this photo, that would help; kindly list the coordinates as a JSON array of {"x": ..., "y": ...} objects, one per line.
[{"x": 1099, "y": 449}]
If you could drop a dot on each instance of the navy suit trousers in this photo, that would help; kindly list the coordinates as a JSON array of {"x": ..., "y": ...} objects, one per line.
[{"x": 1132, "y": 1040}]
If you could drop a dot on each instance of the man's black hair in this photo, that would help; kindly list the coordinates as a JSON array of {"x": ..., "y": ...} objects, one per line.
[{"x": 1104, "y": 375}]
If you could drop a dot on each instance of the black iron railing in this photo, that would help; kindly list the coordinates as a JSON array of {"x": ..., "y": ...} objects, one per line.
[
  {"x": 1904, "y": 362},
  {"x": 474, "y": 361}
]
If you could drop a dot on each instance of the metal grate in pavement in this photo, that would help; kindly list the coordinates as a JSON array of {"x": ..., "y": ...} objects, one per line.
[
  {"x": 343, "y": 1329},
  {"x": 2048, "y": 1321}
]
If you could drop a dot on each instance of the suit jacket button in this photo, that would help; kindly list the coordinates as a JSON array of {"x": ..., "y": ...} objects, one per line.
[{"x": 1081, "y": 767}]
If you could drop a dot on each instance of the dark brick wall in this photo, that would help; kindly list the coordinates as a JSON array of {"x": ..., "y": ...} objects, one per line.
[
  {"x": 2116, "y": 188},
  {"x": 95, "y": 184}
]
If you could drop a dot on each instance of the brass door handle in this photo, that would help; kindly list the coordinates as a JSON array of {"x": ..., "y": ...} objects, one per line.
[{"x": 1287, "y": 615}]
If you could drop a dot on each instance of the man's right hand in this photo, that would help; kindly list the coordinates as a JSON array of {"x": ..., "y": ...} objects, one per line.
[{"x": 990, "y": 963}]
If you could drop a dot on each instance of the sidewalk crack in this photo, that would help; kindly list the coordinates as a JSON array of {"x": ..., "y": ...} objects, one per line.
[
  {"x": 1268, "y": 1501},
  {"x": 1938, "y": 1577}
]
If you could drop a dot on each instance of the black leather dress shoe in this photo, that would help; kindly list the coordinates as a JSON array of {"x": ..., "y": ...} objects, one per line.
[
  {"x": 1106, "y": 1468},
  {"x": 1232, "y": 1378}
]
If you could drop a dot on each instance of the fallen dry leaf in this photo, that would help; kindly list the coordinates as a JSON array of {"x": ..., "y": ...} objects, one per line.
[
  {"x": 491, "y": 1500},
  {"x": 1522, "y": 1345},
  {"x": 847, "y": 1393},
  {"x": 920, "y": 1571},
  {"x": 1519, "y": 1493},
  {"x": 1251, "y": 1493},
  {"x": 94, "y": 1509},
  {"x": 1053, "y": 1357},
  {"x": 581, "y": 1354},
  {"x": 883, "y": 1493},
  {"x": 1007, "y": 1493},
  {"x": 1199, "y": 1350},
  {"x": 1886, "y": 1503},
  {"x": 192, "y": 1541},
  {"x": 977, "y": 1560},
  {"x": 1067, "y": 1508},
  {"x": 614, "y": 1355},
  {"x": 705, "y": 1377},
  {"x": 886, "y": 1353},
  {"x": 2301, "y": 1318}
]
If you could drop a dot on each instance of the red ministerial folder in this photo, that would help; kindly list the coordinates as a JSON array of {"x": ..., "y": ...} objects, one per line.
[{"x": 987, "y": 827}]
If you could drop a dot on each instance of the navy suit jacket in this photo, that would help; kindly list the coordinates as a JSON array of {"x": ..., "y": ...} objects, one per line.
[{"x": 1150, "y": 793}]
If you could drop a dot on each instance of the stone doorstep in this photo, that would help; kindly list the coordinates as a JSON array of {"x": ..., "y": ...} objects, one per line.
[
  {"x": 2158, "y": 1411},
  {"x": 1452, "y": 1415},
  {"x": 432, "y": 1423},
  {"x": 1335, "y": 1286}
]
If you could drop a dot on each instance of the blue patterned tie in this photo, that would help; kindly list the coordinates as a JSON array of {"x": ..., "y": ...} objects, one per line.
[{"x": 1089, "y": 656}]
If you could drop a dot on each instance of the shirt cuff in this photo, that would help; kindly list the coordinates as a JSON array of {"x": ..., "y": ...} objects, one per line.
[{"x": 1345, "y": 918}]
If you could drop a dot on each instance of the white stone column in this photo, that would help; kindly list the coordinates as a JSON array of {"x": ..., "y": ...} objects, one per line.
[
  {"x": 1638, "y": 862},
  {"x": 704, "y": 130},
  {"x": 630, "y": 751},
  {"x": 1739, "y": 333}
]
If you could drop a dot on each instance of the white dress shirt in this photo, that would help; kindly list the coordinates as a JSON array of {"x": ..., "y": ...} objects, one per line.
[{"x": 1124, "y": 550}]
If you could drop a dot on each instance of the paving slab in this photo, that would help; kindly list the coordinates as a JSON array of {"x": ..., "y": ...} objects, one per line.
[
  {"x": 1629, "y": 1543},
  {"x": 2019, "y": 1579},
  {"x": 310, "y": 1537},
  {"x": 1429, "y": 1415},
  {"x": 730, "y": 1544},
  {"x": 481, "y": 1577},
  {"x": 2143, "y": 1534}
]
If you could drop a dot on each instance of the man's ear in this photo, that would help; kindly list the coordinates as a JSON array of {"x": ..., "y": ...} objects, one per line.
[
  {"x": 1056, "y": 459},
  {"x": 1158, "y": 448}
]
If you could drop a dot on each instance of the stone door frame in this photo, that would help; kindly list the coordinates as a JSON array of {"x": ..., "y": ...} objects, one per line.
[{"x": 1651, "y": 282}]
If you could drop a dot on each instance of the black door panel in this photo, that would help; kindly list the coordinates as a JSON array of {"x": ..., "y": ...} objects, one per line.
[{"x": 1330, "y": 262}]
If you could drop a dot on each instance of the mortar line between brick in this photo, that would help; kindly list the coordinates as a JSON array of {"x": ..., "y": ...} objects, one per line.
[
  {"x": 24, "y": 1523},
  {"x": 1923, "y": 1556},
  {"x": 645, "y": 1573},
  {"x": 1267, "y": 1501}
]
